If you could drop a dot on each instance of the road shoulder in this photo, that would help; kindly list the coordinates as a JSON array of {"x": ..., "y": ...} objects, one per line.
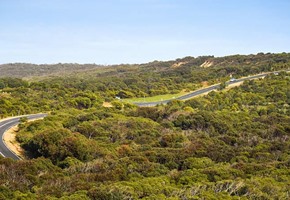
[{"x": 9, "y": 139}]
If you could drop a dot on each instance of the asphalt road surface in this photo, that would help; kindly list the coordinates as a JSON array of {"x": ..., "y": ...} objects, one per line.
[
  {"x": 5, "y": 125},
  {"x": 203, "y": 91}
]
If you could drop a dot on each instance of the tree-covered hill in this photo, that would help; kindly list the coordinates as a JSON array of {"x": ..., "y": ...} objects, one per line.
[
  {"x": 226, "y": 145},
  {"x": 144, "y": 80},
  {"x": 229, "y": 144},
  {"x": 232, "y": 63},
  {"x": 25, "y": 70}
]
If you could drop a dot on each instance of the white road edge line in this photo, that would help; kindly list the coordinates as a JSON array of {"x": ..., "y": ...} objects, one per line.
[
  {"x": 13, "y": 123},
  {"x": 7, "y": 123},
  {"x": 4, "y": 140}
]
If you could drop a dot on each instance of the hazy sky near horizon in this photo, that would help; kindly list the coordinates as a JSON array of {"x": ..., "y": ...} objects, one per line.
[{"x": 137, "y": 31}]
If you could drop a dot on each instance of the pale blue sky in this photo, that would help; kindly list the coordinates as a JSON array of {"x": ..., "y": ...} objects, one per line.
[{"x": 137, "y": 31}]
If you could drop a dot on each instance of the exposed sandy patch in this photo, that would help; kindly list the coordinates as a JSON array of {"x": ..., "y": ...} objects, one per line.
[
  {"x": 107, "y": 105},
  {"x": 5, "y": 94},
  {"x": 204, "y": 83},
  {"x": 176, "y": 65},
  {"x": 206, "y": 64}
]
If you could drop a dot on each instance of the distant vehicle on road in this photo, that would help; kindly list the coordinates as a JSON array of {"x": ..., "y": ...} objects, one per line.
[{"x": 233, "y": 80}]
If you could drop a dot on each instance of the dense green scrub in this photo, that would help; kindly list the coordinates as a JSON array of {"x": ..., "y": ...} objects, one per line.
[
  {"x": 226, "y": 145},
  {"x": 87, "y": 89}
]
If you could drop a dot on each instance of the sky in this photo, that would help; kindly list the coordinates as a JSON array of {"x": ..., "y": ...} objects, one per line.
[{"x": 138, "y": 31}]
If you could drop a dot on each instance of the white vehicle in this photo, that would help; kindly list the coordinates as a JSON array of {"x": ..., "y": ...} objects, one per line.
[{"x": 233, "y": 80}]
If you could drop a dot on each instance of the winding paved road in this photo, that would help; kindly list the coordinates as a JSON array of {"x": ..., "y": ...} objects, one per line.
[
  {"x": 8, "y": 123},
  {"x": 204, "y": 90}
]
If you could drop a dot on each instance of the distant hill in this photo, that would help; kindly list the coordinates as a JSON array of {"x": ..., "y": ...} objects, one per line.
[
  {"x": 25, "y": 70},
  {"x": 260, "y": 60},
  {"x": 229, "y": 144}
]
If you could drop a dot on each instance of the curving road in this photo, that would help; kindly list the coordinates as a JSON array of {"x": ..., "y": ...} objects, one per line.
[
  {"x": 204, "y": 90},
  {"x": 8, "y": 123}
]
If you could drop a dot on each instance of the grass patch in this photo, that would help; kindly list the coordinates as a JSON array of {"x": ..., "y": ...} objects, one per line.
[{"x": 155, "y": 98}]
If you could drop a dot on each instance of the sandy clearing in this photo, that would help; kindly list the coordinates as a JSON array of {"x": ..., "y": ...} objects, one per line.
[
  {"x": 107, "y": 105},
  {"x": 204, "y": 84}
]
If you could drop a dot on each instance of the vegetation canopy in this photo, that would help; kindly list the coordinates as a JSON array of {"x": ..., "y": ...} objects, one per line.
[{"x": 229, "y": 144}]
